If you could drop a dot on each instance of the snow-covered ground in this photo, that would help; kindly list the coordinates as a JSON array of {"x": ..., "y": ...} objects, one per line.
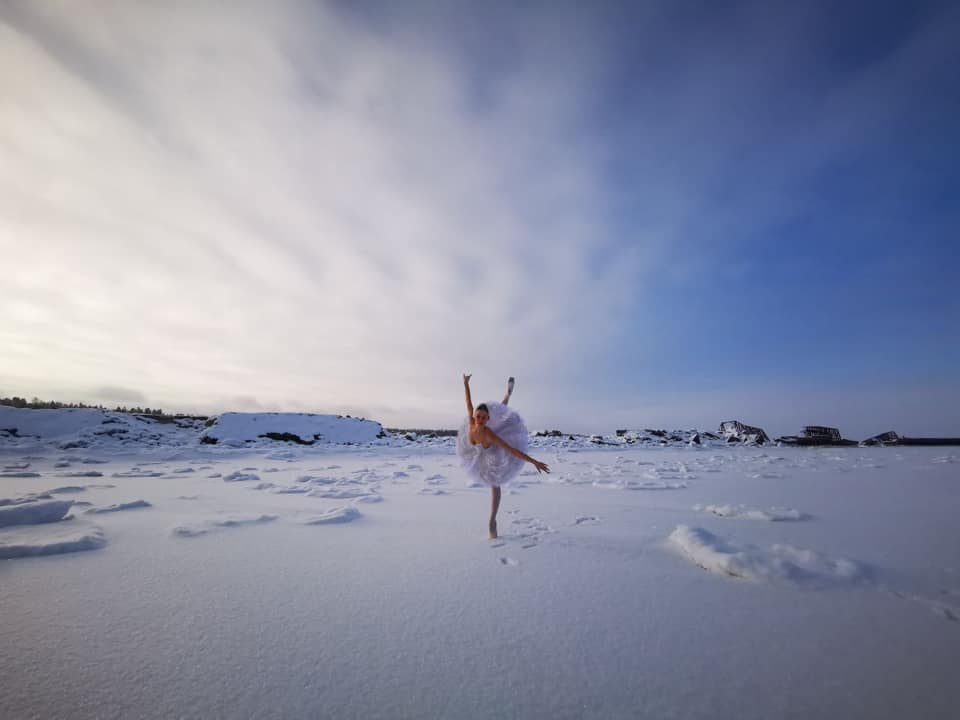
[{"x": 283, "y": 580}]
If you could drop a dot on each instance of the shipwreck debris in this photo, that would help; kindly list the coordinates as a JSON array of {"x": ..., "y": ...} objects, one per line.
[{"x": 818, "y": 436}]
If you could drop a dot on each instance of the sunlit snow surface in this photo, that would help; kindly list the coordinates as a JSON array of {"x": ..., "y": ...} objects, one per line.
[{"x": 205, "y": 581}]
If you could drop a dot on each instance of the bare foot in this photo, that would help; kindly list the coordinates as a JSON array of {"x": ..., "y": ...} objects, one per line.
[{"x": 493, "y": 529}]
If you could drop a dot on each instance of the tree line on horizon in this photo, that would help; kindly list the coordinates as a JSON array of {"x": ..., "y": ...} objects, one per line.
[{"x": 38, "y": 404}]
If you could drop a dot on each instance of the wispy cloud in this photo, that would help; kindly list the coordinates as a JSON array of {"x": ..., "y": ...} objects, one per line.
[{"x": 220, "y": 199}]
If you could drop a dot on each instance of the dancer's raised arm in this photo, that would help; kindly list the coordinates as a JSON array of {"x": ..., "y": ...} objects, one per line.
[
  {"x": 491, "y": 435},
  {"x": 466, "y": 389}
]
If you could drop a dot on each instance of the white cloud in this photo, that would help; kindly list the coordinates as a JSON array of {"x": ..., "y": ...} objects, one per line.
[{"x": 208, "y": 201}]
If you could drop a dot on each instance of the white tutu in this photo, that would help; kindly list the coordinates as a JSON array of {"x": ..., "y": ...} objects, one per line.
[{"x": 494, "y": 466}]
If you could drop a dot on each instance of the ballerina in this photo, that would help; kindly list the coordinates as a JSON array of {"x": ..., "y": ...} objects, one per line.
[{"x": 491, "y": 445}]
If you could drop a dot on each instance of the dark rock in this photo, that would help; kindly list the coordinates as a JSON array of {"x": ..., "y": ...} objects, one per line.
[
  {"x": 74, "y": 444},
  {"x": 287, "y": 437}
]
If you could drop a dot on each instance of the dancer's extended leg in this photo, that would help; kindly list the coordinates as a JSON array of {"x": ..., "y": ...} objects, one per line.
[
  {"x": 494, "y": 506},
  {"x": 506, "y": 398}
]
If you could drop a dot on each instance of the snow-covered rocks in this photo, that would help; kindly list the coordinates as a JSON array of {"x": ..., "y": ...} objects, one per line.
[
  {"x": 736, "y": 431},
  {"x": 238, "y": 429},
  {"x": 90, "y": 428}
]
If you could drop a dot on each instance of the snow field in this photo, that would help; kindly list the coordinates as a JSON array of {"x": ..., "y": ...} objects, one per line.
[{"x": 370, "y": 596}]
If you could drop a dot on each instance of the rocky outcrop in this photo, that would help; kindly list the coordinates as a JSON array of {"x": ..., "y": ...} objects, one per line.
[{"x": 734, "y": 431}]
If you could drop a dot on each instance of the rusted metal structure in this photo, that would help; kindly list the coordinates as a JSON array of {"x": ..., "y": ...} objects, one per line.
[{"x": 817, "y": 435}]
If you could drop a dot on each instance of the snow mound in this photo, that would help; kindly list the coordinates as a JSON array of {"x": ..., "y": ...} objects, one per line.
[
  {"x": 50, "y": 539},
  {"x": 340, "y": 493},
  {"x": 134, "y": 504},
  {"x": 34, "y": 513},
  {"x": 336, "y": 515},
  {"x": 30, "y": 497},
  {"x": 287, "y": 489},
  {"x": 370, "y": 498},
  {"x": 238, "y": 429},
  {"x": 778, "y": 564},
  {"x": 748, "y": 513},
  {"x": 238, "y": 476},
  {"x": 230, "y": 521},
  {"x": 630, "y": 484},
  {"x": 138, "y": 473}
]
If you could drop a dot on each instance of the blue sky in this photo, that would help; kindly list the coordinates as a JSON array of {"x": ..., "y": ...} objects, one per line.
[{"x": 650, "y": 213}]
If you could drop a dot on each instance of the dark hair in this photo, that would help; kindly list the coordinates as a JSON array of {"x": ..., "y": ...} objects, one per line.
[{"x": 483, "y": 406}]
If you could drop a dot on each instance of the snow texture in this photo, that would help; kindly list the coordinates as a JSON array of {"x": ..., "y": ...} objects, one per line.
[{"x": 592, "y": 602}]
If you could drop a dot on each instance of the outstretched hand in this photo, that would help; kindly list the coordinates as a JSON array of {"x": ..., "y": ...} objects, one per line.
[
  {"x": 466, "y": 379},
  {"x": 541, "y": 467}
]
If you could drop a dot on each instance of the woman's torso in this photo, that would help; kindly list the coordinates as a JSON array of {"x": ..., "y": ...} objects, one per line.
[{"x": 476, "y": 436}]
